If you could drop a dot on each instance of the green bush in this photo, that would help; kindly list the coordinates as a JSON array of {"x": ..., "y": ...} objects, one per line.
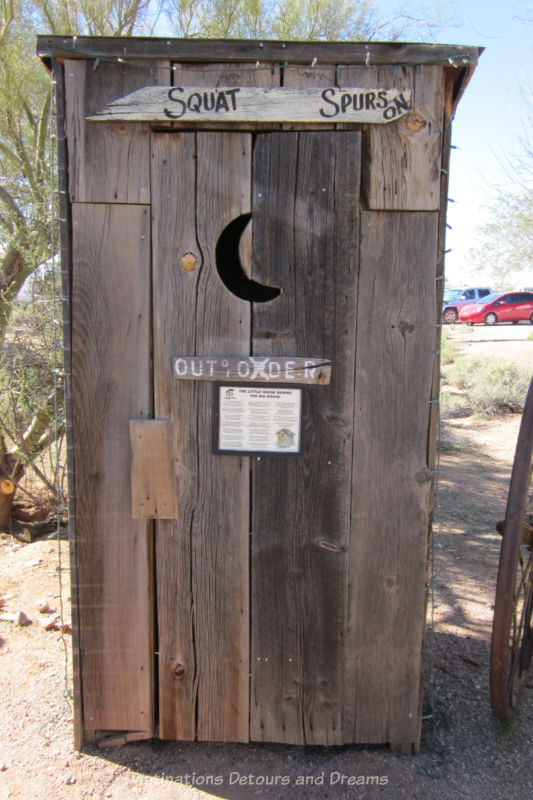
[
  {"x": 26, "y": 366},
  {"x": 490, "y": 386},
  {"x": 448, "y": 349},
  {"x": 31, "y": 390}
]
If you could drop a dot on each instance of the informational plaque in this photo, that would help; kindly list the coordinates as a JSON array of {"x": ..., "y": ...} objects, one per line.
[{"x": 258, "y": 419}]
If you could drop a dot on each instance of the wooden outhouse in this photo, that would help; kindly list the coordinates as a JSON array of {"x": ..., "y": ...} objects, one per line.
[{"x": 252, "y": 251}]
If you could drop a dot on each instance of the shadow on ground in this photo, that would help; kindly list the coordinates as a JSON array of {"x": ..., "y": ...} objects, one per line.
[{"x": 464, "y": 749}]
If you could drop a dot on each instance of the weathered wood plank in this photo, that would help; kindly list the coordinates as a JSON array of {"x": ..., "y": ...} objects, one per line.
[
  {"x": 220, "y": 50},
  {"x": 391, "y": 486},
  {"x": 439, "y": 278},
  {"x": 225, "y": 73},
  {"x": 403, "y": 161},
  {"x": 249, "y": 370},
  {"x": 65, "y": 226},
  {"x": 108, "y": 163},
  {"x": 202, "y": 558},
  {"x": 154, "y": 489},
  {"x": 173, "y": 235},
  {"x": 241, "y": 104},
  {"x": 305, "y": 195},
  {"x": 110, "y": 385},
  {"x": 323, "y": 76}
]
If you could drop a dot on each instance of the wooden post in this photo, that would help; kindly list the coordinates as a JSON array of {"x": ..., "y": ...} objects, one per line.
[{"x": 7, "y": 492}]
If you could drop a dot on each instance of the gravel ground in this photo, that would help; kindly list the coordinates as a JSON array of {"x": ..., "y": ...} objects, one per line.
[{"x": 465, "y": 752}]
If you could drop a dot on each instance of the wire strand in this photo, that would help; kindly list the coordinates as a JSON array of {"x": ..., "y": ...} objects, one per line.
[{"x": 58, "y": 371}]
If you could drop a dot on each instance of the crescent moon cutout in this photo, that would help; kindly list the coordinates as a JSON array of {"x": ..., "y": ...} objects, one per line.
[{"x": 230, "y": 269}]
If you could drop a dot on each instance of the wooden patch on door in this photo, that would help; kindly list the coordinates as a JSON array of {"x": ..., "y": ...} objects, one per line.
[{"x": 154, "y": 490}]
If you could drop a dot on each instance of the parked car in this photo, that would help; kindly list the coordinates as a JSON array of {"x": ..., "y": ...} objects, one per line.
[
  {"x": 499, "y": 307},
  {"x": 455, "y": 299}
]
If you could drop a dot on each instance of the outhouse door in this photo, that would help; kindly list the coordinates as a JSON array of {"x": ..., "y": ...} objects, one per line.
[
  {"x": 288, "y": 590},
  {"x": 265, "y": 632},
  {"x": 253, "y": 574}
]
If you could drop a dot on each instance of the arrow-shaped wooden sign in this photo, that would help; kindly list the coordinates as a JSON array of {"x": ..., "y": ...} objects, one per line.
[{"x": 252, "y": 104}]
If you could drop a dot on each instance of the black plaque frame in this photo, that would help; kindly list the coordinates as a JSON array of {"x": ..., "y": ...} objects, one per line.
[{"x": 247, "y": 385}]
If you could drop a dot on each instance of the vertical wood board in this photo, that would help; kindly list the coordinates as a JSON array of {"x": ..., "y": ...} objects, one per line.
[
  {"x": 200, "y": 183},
  {"x": 108, "y": 163},
  {"x": 403, "y": 159},
  {"x": 65, "y": 225},
  {"x": 297, "y": 77},
  {"x": 391, "y": 489},
  {"x": 305, "y": 196},
  {"x": 440, "y": 277},
  {"x": 229, "y": 74},
  {"x": 173, "y": 235},
  {"x": 111, "y": 384}
]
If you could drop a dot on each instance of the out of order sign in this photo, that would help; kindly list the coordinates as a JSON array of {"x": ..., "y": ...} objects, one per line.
[{"x": 251, "y": 369}]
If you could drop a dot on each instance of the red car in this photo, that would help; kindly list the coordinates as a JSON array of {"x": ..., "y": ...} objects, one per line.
[{"x": 500, "y": 307}]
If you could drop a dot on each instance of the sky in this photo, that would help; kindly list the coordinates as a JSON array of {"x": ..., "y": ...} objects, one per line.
[{"x": 488, "y": 122}]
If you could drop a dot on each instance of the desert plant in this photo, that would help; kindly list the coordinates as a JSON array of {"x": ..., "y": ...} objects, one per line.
[
  {"x": 449, "y": 350},
  {"x": 490, "y": 386},
  {"x": 31, "y": 385}
]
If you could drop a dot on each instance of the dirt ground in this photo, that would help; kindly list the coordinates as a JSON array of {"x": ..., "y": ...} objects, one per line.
[{"x": 465, "y": 752}]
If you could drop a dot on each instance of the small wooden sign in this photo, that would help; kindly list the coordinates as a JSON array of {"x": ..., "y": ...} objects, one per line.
[
  {"x": 252, "y": 369},
  {"x": 255, "y": 104}
]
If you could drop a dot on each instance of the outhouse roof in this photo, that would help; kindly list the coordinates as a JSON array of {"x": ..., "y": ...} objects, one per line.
[{"x": 461, "y": 60}]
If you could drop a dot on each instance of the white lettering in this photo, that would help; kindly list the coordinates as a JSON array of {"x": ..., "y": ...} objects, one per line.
[
  {"x": 180, "y": 366},
  {"x": 259, "y": 365},
  {"x": 211, "y": 362},
  {"x": 274, "y": 369},
  {"x": 197, "y": 371},
  {"x": 243, "y": 369},
  {"x": 309, "y": 369},
  {"x": 289, "y": 370}
]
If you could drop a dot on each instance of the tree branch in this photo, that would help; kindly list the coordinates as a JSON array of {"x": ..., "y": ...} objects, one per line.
[
  {"x": 38, "y": 435},
  {"x": 9, "y": 201},
  {"x": 7, "y": 15}
]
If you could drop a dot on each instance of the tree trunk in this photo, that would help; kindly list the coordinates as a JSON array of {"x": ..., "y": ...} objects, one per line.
[
  {"x": 7, "y": 492},
  {"x": 11, "y": 466}
]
